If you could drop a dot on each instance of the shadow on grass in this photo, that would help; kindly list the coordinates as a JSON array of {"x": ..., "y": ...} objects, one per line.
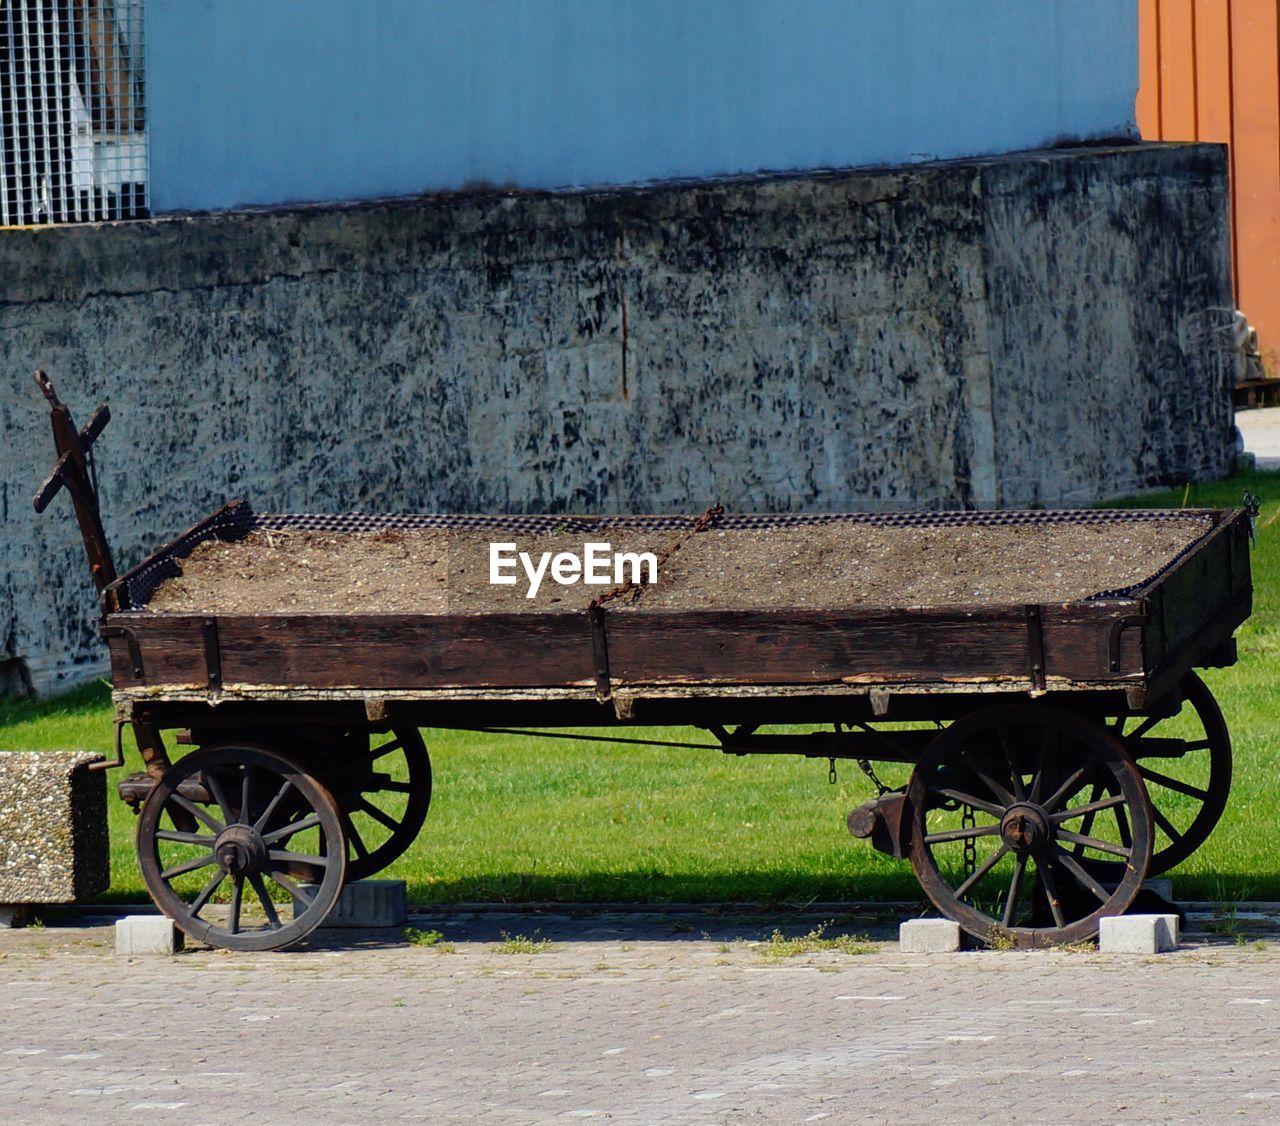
[
  {"x": 88, "y": 699},
  {"x": 772, "y": 889}
]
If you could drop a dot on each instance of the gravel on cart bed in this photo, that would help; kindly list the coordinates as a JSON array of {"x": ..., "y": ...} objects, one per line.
[{"x": 820, "y": 566}]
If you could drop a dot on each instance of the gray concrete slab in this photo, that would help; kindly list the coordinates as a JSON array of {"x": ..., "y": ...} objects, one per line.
[
  {"x": 1260, "y": 429},
  {"x": 683, "y": 1017}
]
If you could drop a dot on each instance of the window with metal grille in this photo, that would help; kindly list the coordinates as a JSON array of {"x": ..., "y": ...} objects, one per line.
[{"x": 73, "y": 140}]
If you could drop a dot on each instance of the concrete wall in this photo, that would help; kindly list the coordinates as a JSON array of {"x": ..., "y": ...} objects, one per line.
[
  {"x": 1037, "y": 328},
  {"x": 255, "y": 102}
]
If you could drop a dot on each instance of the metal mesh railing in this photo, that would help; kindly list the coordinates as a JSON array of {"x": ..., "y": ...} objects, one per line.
[
  {"x": 238, "y": 520},
  {"x": 73, "y": 140}
]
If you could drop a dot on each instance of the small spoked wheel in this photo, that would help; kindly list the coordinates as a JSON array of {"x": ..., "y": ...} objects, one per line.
[
  {"x": 998, "y": 804},
  {"x": 1185, "y": 760},
  {"x": 383, "y": 791},
  {"x": 230, "y": 836}
]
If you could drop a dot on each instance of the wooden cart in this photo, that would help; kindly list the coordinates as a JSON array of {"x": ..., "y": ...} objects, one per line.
[{"x": 1061, "y": 753}]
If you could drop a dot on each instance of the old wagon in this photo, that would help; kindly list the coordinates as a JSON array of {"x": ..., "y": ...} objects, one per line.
[{"x": 1062, "y": 747}]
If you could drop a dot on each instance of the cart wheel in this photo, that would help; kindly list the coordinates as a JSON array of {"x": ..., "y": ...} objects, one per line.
[
  {"x": 263, "y": 826},
  {"x": 1185, "y": 760},
  {"x": 998, "y": 802},
  {"x": 383, "y": 794}
]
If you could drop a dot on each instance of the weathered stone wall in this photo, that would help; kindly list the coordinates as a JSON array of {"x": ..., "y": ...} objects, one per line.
[{"x": 1034, "y": 328}]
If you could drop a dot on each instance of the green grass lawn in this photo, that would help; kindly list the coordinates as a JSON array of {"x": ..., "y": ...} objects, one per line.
[{"x": 523, "y": 819}]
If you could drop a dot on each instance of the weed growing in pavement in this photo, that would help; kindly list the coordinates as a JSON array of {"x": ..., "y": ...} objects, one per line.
[
  {"x": 816, "y": 941},
  {"x": 523, "y": 944},
  {"x": 415, "y": 937}
]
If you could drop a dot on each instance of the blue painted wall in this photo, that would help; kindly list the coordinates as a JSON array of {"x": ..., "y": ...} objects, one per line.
[{"x": 277, "y": 101}]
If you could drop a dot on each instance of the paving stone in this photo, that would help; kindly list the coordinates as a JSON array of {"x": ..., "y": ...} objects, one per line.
[
  {"x": 671, "y": 1017},
  {"x": 1138, "y": 934},
  {"x": 138, "y": 935},
  {"x": 929, "y": 936}
]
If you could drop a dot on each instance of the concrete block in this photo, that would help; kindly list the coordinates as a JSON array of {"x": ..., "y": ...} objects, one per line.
[
  {"x": 53, "y": 827},
  {"x": 1138, "y": 934},
  {"x": 929, "y": 936},
  {"x": 369, "y": 903},
  {"x": 1161, "y": 886},
  {"x": 141, "y": 935}
]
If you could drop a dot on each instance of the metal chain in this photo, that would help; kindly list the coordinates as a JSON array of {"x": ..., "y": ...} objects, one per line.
[
  {"x": 831, "y": 771},
  {"x": 969, "y": 821},
  {"x": 705, "y": 521},
  {"x": 865, "y": 766}
]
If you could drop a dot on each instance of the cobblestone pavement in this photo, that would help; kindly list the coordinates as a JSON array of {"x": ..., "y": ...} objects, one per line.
[{"x": 688, "y": 1016}]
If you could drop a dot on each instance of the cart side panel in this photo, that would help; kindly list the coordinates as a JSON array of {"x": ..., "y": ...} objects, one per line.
[
  {"x": 1200, "y": 601},
  {"x": 393, "y": 651},
  {"x": 894, "y": 647},
  {"x": 150, "y": 650}
]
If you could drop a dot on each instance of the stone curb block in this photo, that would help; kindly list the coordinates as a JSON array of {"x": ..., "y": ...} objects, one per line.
[
  {"x": 369, "y": 903},
  {"x": 145, "y": 935},
  {"x": 1138, "y": 934},
  {"x": 929, "y": 936}
]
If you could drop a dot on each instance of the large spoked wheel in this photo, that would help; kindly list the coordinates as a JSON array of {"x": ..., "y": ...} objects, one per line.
[
  {"x": 1185, "y": 761},
  {"x": 265, "y": 832},
  {"x": 998, "y": 804},
  {"x": 383, "y": 791}
]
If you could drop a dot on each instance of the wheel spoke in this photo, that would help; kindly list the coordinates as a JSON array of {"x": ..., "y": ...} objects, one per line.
[
  {"x": 237, "y": 889},
  {"x": 245, "y": 785},
  {"x": 273, "y": 805},
  {"x": 1015, "y": 890},
  {"x": 260, "y": 887},
  {"x": 968, "y": 799},
  {"x": 353, "y": 836},
  {"x": 189, "y": 866},
  {"x": 1145, "y": 726},
  {"x": 291, "y": 829},
  {"x": 202, "y": 815},
  {"x": 1018, "y": 793},
  {"x": 1175, "y": 784},
  {"x": 961, "y": 834},
  {"x": 184, "y": 838},
  {"x": 998, "y": 791},
  {"x": 1067, "y": 787},
  {"x": 295, "y": 892},
  {"x": 982, "y": 869},
  {"x": 1165, "y": 824},
  {"x": 283, "y": 856},
  {"x": 1081, "y": 876},
  {"x": 381, "y": 782},
  {"x": 377, "y": 814},
  {"x": 214, "y": 783},
  {"x": 1051, "y": 893},
  {"x": 384, "y": 750},
  {"x": 1038, "y": 780},
  {"x": 1090, "y": 809},
  {"x": 1094, "y": 843},
  {"x": 1089, "y": 817},
  {"x": 206, "y": 892}
]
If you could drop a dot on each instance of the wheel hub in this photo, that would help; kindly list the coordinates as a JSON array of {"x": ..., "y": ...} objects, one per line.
[
  {"x": 240, "y": 850},
  {"x": 1024, "y": 827}
]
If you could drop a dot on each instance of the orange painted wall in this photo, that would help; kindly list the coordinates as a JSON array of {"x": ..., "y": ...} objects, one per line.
[{"x": 1209, "y": 70}]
